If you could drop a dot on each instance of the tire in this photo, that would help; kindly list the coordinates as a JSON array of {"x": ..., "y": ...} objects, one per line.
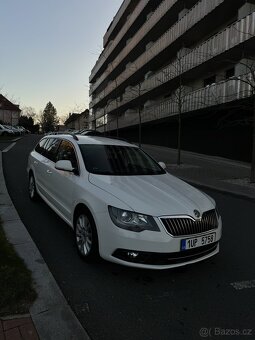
[
  {"x": 33, "y": 195},
  {"x": 86, "y": 238}
]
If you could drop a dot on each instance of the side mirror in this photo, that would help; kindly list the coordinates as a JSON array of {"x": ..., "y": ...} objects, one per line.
[
  {"x": 64, "y": 165},
  {"x": 162, "y": 164}
]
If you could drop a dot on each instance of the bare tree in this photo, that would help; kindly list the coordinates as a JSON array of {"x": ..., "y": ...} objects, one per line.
[
  {"x": 135, "y": 92},
  {"x": 177, "y": 96},
  {"x": 28, "y": 111},
  {"x": 248, "y": 78}
]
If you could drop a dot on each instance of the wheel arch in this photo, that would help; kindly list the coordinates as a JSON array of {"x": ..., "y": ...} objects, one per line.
[
  {"x": 80, "y": 207},
  {"x": 83, "y": 207}
]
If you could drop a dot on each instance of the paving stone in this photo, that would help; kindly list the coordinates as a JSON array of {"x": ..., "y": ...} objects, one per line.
[
  {"x": 2, "y": 337},
  {"x": 9, "y": 324},
  {"x": 28, "y": 332},
  {"x": 13, "y": 334}
]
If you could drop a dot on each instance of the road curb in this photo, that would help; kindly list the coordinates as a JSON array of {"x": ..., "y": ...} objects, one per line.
[
  {"x": 225, "y": 191},
  {"x": 51, "y": 314}
]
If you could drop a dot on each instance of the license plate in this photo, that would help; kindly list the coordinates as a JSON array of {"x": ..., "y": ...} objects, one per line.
[{"x": 194, "y": 242}]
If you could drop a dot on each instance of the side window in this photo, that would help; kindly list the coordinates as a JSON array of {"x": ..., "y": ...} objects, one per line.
[
  {"x": 40, "y": 146},
  {"x": 52, "y": 148},
  {"x": 66, "y": 152}
]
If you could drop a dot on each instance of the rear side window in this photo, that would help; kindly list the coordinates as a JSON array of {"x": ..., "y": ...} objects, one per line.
[
  {"x": 51, "y": 149},
  {"x": 66, "y": 152},
  {"x": 40, "y": 146},
  {"x": 48, "y": 147}
]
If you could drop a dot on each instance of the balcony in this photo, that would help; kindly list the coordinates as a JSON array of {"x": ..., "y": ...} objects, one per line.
[
  {"x": 115, "y": 20},
  {"x": 195, "y": 14},
  {"x": 217, "y": 94},
  {"x": 109, "y": 48},
  {"x": 237, "y": 33},
  {"x": 140, "y": 34}
]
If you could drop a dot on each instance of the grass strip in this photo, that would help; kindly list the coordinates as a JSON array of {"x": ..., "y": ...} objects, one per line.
[{"x": 16, "y": 283}]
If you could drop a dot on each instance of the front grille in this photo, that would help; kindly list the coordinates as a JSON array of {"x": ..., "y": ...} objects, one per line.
[{"x": 179, "y": 226}]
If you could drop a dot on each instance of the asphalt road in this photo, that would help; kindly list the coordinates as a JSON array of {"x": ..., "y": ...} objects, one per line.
[{"x": 117, "y": 302}]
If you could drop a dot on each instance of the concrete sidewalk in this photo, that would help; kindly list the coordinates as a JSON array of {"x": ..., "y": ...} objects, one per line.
[{"x": 216, "y": 173}]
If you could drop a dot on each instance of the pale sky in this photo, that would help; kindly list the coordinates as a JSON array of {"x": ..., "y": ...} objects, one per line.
[{"x": 48, "y": 48}]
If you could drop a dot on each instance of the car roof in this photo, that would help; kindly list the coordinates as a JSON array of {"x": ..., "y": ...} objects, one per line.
[{"x": 92, "y": 139}]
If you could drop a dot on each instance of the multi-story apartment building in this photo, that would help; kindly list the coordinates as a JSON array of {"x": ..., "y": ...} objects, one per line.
[{"x": 164, "y": 59}]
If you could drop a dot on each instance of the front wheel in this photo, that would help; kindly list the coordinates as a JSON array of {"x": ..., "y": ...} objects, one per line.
[
  {"x": 86, "y": 238},
  {"x": 33, "y": 195}
]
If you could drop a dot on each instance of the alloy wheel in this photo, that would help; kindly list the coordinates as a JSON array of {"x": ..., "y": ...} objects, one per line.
[
  {"x": 83, "y": 234},
  {"x": 31, "y": 187}
]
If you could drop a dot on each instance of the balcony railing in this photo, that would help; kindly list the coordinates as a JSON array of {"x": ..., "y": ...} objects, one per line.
[
  {"x": 195, "y": 14},
  {"x": 160, "y": 11},
  {"x": 237, "y": 33},
  {"x": 116, "y": 19},
  {"x": 216, "y": 94},
  {"x": 109, "y": 48}
]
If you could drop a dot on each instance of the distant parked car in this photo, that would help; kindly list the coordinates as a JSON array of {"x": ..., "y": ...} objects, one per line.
[
  {"x": 16, "y": 131},
  {"x": 122, "y": 204},
  {"x": 4, "y": 131},
  {"x": 23, "y": 129},
  {"x": 20, "y": 129}
]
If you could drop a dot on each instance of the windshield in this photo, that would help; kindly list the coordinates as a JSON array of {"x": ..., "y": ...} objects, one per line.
[{"x": 118, "y": 160}]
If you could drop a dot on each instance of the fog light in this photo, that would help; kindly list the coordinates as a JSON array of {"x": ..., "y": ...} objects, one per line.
[{"x": 132, "y": 254}]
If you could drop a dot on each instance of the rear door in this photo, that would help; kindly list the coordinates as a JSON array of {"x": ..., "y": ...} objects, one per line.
[
  {"x": 62, "y": 183},
  {"x": 36, "y": 160},
  {"x": 46, "y": 164}
]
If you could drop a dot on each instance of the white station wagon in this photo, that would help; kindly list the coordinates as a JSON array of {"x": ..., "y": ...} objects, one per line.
[{"x": 122, "y": 204}]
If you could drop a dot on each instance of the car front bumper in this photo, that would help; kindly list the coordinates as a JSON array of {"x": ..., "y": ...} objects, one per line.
[{"x": 150, "y": 249}]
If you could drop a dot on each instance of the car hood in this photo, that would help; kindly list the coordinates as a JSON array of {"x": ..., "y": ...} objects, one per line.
[{"x": 155, "y": 195}]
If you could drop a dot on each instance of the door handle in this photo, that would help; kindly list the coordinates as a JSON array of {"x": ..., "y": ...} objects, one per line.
[{"x": 49, "y": 172}]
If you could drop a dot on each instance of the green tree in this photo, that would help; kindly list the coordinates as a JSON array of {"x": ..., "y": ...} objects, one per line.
[
  {"x": 49, "y": 119},
  {"x": 26, "y": 122}
]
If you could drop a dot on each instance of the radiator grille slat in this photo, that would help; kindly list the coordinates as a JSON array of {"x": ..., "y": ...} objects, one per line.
[{"x": 179, "y": 226}]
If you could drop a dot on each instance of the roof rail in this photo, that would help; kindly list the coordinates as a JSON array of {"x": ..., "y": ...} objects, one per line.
[
  {"x": 67, "y": 133},
  {"x": 119, "y": 138},
  {"x": 74, "y": 136}
]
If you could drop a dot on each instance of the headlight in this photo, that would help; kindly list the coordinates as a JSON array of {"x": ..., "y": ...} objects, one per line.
[{"x": 132, "y": 221}]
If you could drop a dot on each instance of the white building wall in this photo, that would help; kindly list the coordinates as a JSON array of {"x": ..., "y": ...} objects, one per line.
[{"x": 9, "y": 117}]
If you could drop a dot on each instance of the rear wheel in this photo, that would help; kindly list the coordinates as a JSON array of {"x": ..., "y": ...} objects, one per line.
[
  {"x": 86, "y": 238},
  {"x": 33, "y": 195}
]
